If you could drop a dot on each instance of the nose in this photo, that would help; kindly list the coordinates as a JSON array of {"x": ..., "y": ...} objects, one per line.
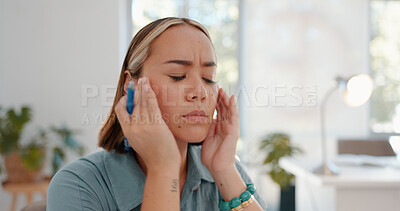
[{"x": 196, "y": 91}]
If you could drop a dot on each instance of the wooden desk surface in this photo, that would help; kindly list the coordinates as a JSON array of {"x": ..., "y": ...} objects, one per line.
[{"x": 26, "y": 187}]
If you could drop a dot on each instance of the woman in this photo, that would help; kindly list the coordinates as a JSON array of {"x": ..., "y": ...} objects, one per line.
[{"x": 181, "y": 158}]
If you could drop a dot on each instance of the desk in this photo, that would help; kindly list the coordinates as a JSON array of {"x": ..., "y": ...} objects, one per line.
[
  {"x": 357, "y": 187},
  {"x": 25, "y": 188}
]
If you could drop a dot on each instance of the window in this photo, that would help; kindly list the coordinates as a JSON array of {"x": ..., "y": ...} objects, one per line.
[
  {"x": 219, "y": 16},
  {"x": 385, "y": 65}
]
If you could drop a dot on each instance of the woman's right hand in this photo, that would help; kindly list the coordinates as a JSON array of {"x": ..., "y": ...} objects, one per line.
[{"x": 146, "y": 131}]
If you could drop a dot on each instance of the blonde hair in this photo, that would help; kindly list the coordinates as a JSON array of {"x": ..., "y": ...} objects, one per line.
[{"x": 110, "y": 135}]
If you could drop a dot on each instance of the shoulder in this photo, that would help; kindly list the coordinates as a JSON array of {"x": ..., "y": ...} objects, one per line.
[
  {"x": 82, "y": 169},
  {"x": 89, "y": 163},
  {"x": 79, "y": 182}
]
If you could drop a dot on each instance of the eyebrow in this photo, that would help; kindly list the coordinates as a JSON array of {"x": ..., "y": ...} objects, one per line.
[{"x": 189, "y": 63}]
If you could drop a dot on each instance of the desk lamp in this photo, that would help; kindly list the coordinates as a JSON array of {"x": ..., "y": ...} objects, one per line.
[{"x": 356, "y": 91}]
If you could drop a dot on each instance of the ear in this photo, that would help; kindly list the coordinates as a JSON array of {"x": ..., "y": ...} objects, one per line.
[{"x": 127, "y": 77}]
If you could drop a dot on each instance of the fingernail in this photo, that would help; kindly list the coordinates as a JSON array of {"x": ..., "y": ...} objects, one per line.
[
  {"x": 140, "y": 81},
  {"x": 144, "y": 80}
]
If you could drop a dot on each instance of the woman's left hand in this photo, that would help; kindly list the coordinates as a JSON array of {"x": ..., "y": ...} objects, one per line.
[{"x": 219, "y": 147}]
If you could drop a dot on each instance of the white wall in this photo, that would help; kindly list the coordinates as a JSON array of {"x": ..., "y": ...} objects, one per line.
[
  {"x": 302, "y": 43},
  {"x": 50, "y": 50}
]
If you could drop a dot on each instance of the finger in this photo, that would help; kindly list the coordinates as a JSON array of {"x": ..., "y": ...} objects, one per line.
[
  {"x": 122, "y": 115},
  {"x": 226, "y": 98},
  {"x": 230, "y": 110},
  {"x": 218, "y": 112},
  {"x": 152, "y": 102},
  {"x": 137, "y": 110},
  {"x": 234, "y": 114},
  {"x": 144, "y": 114},
  {"x": 137, "y": 93},
  {"x": 233, "y": 106},
  {"x": 219, "y": 119},
  {"x": 228, "y": 106},
  {"x": 143, "y": 98},
  {"x": 211, "y": 131},
  {"x": 223, "y": 107},
  {"x": 218, "y": 106},
  {"x": 147, "y": 113},
  {"x": 222, "y": 98}
]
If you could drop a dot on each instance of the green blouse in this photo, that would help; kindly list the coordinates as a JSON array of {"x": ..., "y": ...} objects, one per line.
[{"x": 110, "y": 181}]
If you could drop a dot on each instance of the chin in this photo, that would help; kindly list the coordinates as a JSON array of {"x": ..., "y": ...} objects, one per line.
[{"x": 191, "y": 133}]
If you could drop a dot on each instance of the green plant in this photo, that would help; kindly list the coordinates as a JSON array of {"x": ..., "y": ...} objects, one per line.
[
  {"x": 12, "y": 124},
  {"x": 277, "y": 146},
  {"x": 68, "y": 141},
  {"x": 32, "y": 154}
]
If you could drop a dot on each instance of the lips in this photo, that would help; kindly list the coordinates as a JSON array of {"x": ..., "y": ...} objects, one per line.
[
  {"x": 196, "y": 113},
  {"x": 196, "y": 117}
]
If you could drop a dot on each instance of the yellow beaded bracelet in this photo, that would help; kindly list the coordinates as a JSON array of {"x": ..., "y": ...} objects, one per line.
[{"x": 243, "y": 204}]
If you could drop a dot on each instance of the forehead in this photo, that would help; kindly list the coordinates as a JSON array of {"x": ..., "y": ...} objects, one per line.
[{"x": 183, "y": 41}]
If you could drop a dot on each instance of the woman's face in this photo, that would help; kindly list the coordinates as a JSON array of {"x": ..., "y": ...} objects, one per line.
[{"x": 181, "y": 68}]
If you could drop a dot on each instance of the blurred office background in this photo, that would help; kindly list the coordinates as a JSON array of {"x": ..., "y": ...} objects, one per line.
[{"x": 279, "y": 57}]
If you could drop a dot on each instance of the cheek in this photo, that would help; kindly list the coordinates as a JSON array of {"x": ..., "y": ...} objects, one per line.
[
  {"x": 167, "y": 98},
  {"x": 170, "y": 102},
  {"x": 213, "y": 93},
  {"x": 166, "y": 94}
]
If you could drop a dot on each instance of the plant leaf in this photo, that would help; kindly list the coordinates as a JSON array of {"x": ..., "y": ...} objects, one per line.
[{"x": 58, "y": 159}]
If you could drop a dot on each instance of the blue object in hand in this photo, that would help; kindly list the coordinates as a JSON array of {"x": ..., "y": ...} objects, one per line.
[
  {"x": 129, "y": 106},
  {"x": 130, "y": 96}
]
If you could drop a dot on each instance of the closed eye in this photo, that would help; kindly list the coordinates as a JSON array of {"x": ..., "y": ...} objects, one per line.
[
  {"x": 209, "y": 81},
  {"x": 178, "y": 78}
]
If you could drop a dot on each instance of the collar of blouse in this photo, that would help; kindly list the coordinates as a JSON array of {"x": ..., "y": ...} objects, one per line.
[{"x": 127, "y": 178}]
